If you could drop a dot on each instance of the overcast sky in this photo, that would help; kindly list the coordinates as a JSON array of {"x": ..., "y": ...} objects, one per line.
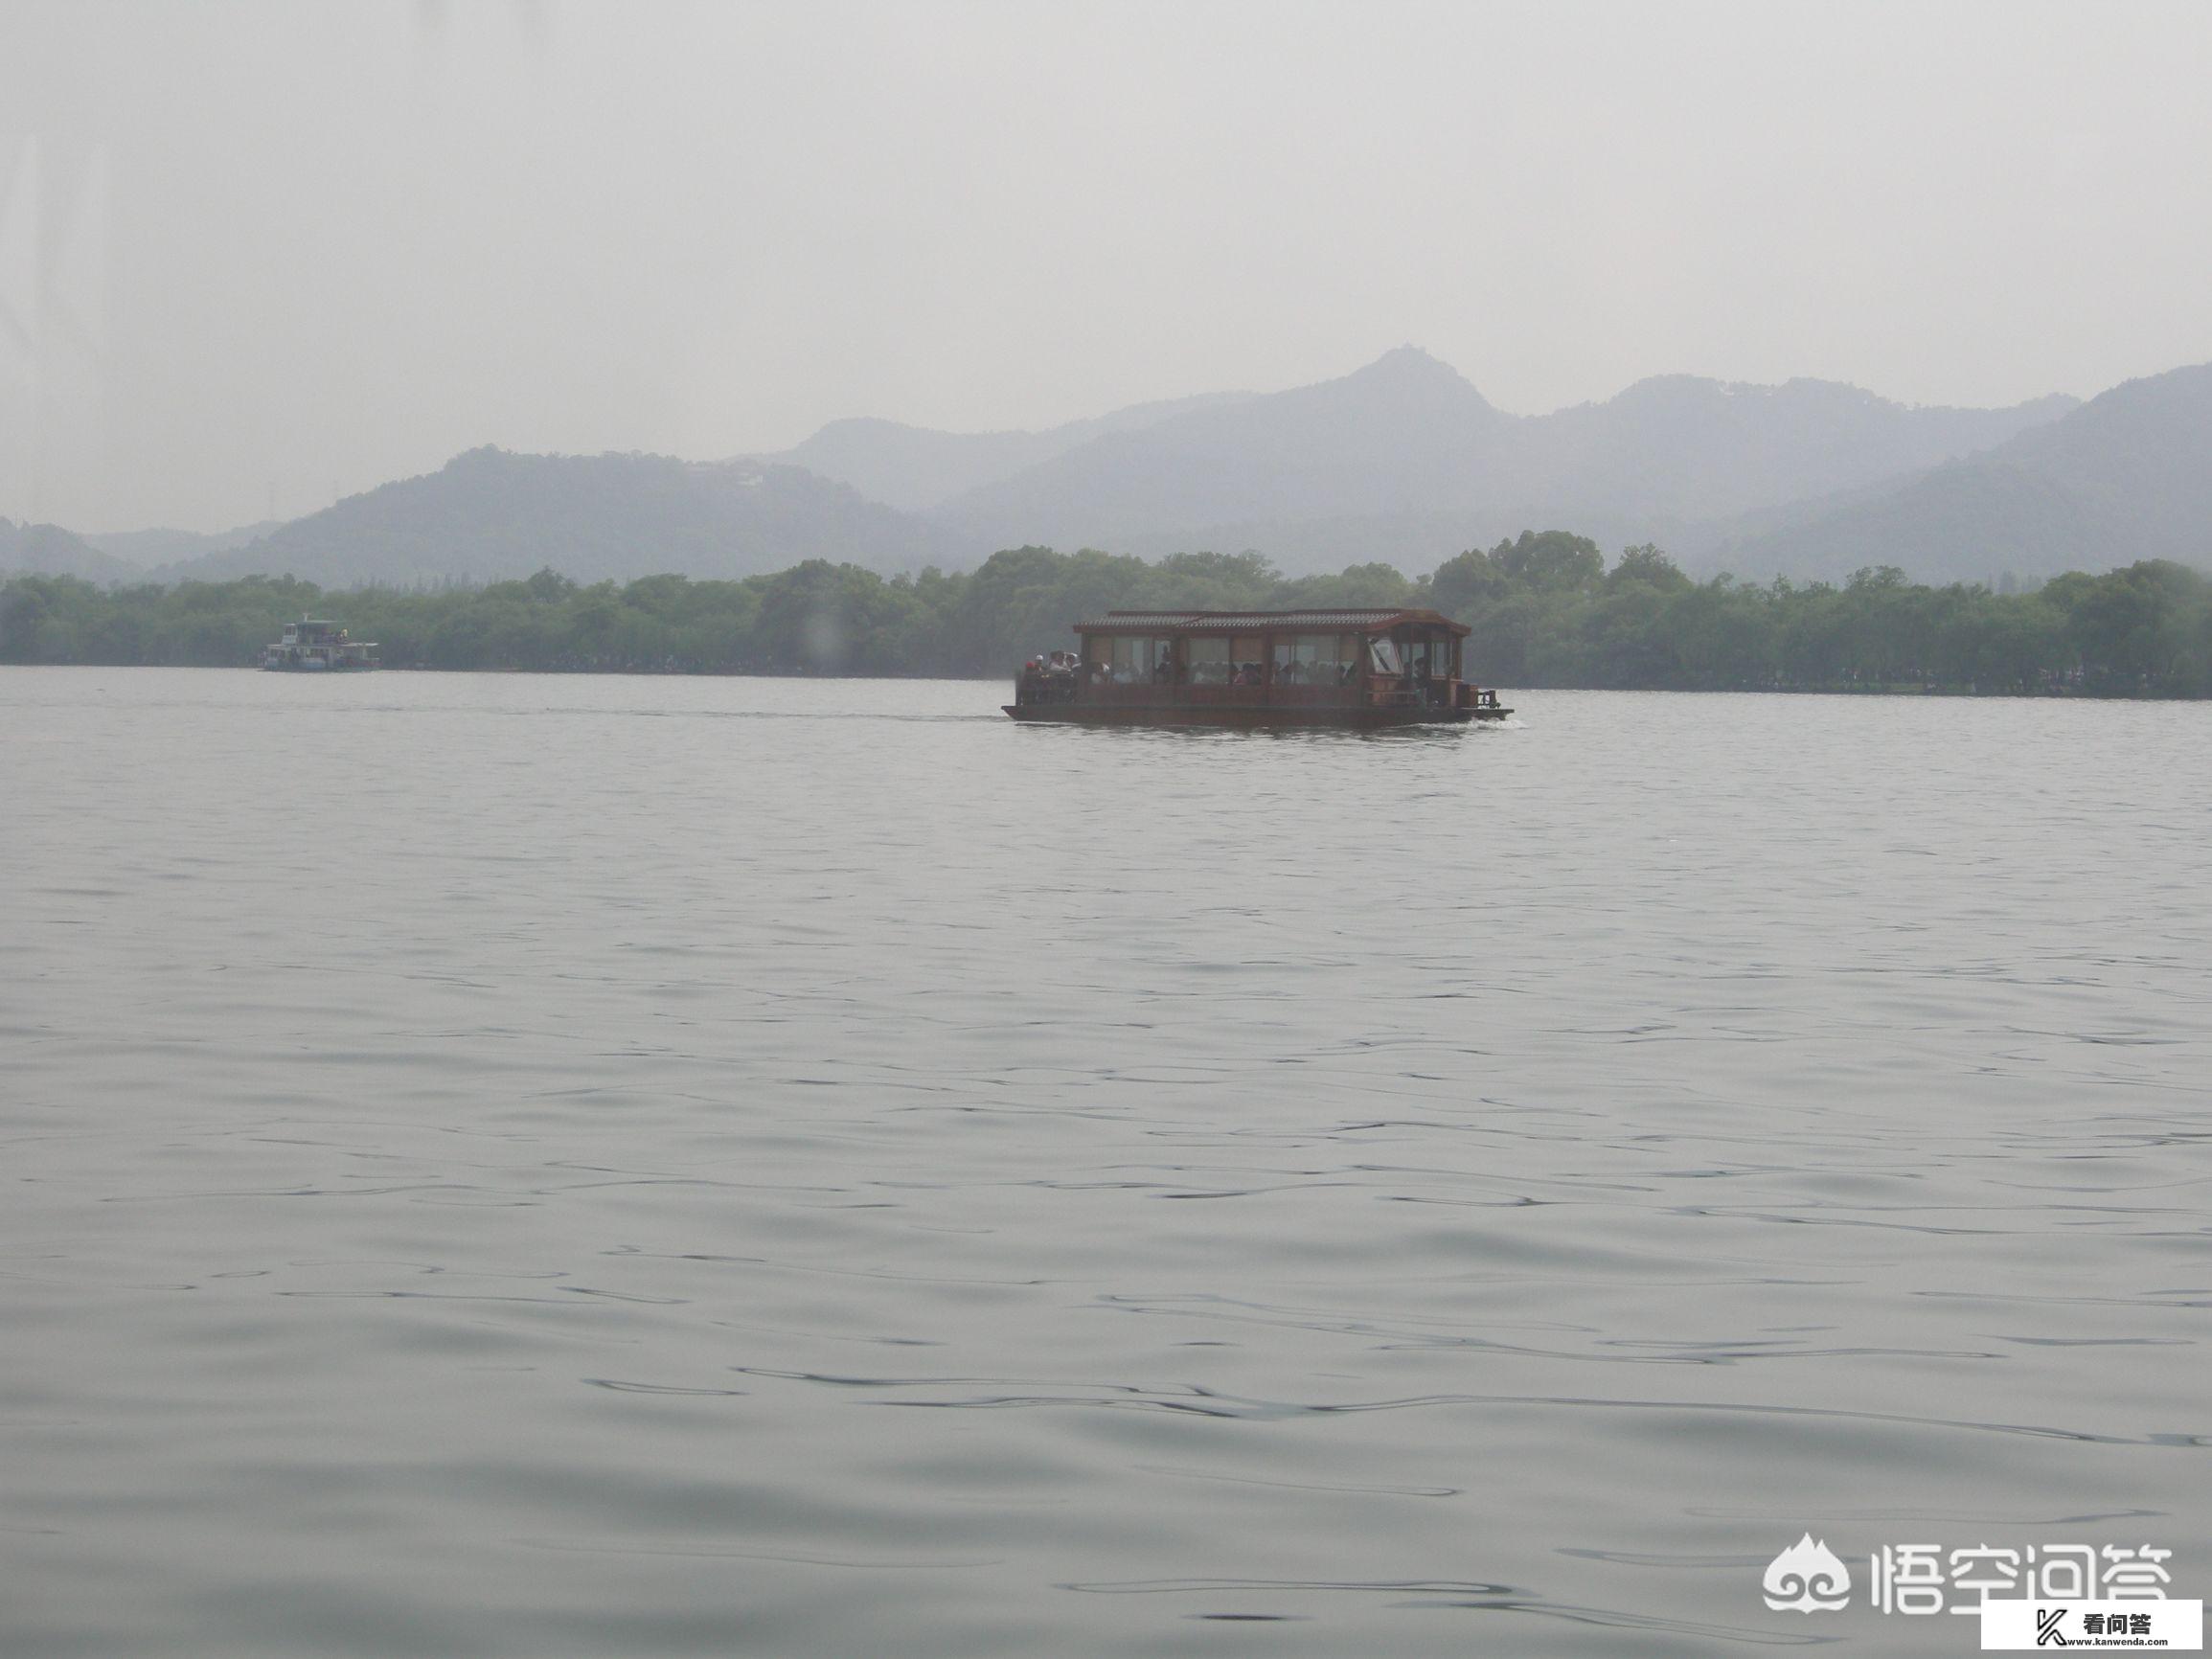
[{"x": 256, "y": 254}]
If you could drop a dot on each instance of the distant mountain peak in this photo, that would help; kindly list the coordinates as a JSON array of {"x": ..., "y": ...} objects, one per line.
[
  {"x": 1681, "y": 389},
  {"x": 1411, "y": 366},
  {"x": 491, "y": 514},
  {"x": 916, "y": 467},
  {"x": 49, "y": 550},
  {"x": 1404, "y": 379},
  {"x": 2118, "y": 478},
  {"x": 1410, "y": 355}
]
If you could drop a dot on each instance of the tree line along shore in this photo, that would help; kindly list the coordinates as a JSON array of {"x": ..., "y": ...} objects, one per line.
[{"x": 1547, "y": 610}]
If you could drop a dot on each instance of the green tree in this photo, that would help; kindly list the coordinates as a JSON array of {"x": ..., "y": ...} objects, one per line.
[{"x": 1542, "y": 608}]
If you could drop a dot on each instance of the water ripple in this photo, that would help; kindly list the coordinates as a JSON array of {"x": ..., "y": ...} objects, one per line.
[{"x": 487, "y": 1212}]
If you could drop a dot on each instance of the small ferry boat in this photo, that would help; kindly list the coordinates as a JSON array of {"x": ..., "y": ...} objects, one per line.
[
  {"x": 313, "y": 645},
  {"x": 1285, "y": 668}
]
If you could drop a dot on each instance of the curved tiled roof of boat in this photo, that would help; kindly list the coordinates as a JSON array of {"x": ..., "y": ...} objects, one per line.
[{"x": 1255, "y": 622}]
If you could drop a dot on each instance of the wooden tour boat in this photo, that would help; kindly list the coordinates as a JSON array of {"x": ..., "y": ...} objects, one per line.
[{"x": 1283, "y": 668}]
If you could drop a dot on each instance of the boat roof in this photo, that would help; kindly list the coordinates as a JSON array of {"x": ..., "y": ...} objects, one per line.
[{"x": 1376, "y": 620}]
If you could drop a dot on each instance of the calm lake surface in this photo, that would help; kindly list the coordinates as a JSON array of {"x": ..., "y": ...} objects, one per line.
[{"x": 545, "y": 1165}]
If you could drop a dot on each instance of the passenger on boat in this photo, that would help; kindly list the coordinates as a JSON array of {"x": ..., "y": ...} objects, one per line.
[
  {"x": 1059, "y": 677},
  {"x": 1163, "y": 672}
]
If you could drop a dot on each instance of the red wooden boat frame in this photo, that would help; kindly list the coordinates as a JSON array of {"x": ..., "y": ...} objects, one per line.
[{"x": 1286, "y": 668}]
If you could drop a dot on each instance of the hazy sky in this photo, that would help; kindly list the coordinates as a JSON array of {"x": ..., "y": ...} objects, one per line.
[{"x": 258, "y": 254}]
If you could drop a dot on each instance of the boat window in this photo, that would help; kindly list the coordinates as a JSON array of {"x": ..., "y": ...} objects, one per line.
[
  {"x": 1312, "y": 659},
  {"x": 1207, "y": 660},
  {"x": 1384, "y": 655},
  {"x": 1136, "y": 656}
]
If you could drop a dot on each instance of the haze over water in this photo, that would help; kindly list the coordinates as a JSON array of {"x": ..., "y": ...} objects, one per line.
[{"x": 544, "y": 1165}]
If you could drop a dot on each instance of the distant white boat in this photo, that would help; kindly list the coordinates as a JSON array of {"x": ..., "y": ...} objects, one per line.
[{"x": 313, "y": 645}]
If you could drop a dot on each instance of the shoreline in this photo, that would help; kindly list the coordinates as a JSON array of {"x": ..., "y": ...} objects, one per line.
[{"x": 1960, "y": 693}]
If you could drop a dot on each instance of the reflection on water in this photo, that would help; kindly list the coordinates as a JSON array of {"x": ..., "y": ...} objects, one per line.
[{"x": 533, "y": 1166}]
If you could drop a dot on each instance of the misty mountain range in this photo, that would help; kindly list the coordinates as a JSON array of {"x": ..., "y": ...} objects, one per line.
[
  {"x": 123, "y": 556},
  {"x": 489, "y": 514},
  {"x": 1403, "y": 461},
  {"x": 48, "y": 550}
]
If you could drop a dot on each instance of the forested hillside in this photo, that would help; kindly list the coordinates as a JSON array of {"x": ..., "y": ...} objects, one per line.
[
  {"x": 1403, "y": 461},
  {"x": 490, "y": 514},
  {"x": 2127, "y": 475},
  {"x": 1547, "y": 610},
  {"x": 52, "y": 551},
  {"x": 1406, "y": 459}
]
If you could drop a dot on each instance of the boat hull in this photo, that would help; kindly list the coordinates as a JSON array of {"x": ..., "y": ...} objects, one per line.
[{"x": 1277, "y": 716}]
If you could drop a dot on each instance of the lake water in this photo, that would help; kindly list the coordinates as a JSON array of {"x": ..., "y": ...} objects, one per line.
[{"x": 546, "y": 1166}]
